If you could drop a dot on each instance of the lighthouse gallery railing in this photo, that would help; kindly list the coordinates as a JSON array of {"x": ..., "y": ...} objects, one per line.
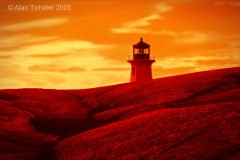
[{"x": 141, "y": 57}]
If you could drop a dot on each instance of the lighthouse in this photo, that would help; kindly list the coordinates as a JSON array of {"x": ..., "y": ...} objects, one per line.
[{"x": 141, "y": 62}]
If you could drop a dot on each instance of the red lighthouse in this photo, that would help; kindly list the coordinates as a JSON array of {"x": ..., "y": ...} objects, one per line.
[{"x": 141, "y": 62}]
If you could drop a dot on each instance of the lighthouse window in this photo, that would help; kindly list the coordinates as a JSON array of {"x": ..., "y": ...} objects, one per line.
[{"x": 133, "y": 70}]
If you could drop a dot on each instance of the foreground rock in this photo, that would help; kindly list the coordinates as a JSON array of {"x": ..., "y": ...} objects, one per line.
[
  {"x": 180, "y": 117},
  {"x": 197, "y": 132}
]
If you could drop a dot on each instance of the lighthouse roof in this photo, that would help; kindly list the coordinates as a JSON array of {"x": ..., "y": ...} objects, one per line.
[{"x": 141, "y": 44}]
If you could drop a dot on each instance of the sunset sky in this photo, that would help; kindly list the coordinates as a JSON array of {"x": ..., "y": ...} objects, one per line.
[{"x": 87, "y": 44}]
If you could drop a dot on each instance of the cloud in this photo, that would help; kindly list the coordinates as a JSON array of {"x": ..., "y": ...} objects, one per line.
[
  {"x": 143, "y": 21},
  {"x": 6, "y": 57},
  {"x": 178, "y": 62},
  {"x": 227, "y": 2},
  {"x": 62, "y": 59},
  {"x": 163, "y": 7},
  {"x": 49, "y": 55},
  {"x": 181, "y": 65},
  {"x": 34, "y": 24},
  {"x": 14, "y": 75},
  {"x": 18, "y": 40},
  {"x": 54, "y": 68},
  {"x": 40, "y": 80},
  {"x": 56, "y": 47},
  {"x": 194, "y": 37},
  {"x": 8, "y": 70},
  {"x": 58, "y": 57},
  {"x": 134, "y": 26},
  {"x": 218, "y": 62},
  {"x": 237, "y": 46},
  {"x": 112, "y": 69},
  {"x": 164, "y": 72}
]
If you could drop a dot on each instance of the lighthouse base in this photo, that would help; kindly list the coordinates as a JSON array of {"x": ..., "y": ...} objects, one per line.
[{"x": 141, "y": 70}]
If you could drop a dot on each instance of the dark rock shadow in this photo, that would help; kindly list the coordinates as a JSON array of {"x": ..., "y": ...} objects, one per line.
[
  {"x": 64, "y": 128},
  {"x": 47, "y": 152}
]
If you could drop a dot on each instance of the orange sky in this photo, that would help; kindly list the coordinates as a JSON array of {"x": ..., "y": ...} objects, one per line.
[{"x": 87, "y": 44}]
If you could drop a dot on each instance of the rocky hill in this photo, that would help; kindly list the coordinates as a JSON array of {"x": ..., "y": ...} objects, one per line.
[{"x": 191, "y": 116}]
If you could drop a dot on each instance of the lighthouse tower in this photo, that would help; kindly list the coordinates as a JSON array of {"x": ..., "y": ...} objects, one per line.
[{"x": 141, "y": 62}]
